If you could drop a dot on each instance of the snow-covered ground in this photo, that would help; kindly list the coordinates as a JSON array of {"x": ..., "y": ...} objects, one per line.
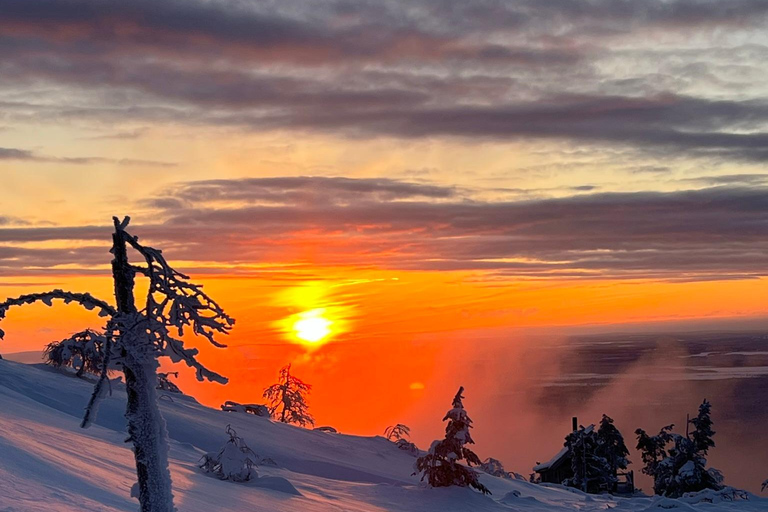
[{"x": 47, "y": 463}]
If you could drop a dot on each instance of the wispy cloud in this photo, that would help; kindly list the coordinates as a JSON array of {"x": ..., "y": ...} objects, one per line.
[{"x": 30, "y": 156}]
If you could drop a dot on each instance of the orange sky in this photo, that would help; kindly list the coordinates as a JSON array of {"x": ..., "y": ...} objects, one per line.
[{"x": 397, "y": 328}]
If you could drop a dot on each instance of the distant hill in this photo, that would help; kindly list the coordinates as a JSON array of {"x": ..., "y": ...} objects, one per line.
[{"x": 30, "y": 357}]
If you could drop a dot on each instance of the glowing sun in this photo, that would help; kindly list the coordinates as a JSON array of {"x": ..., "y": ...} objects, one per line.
[{"x": 312, "y": 326}]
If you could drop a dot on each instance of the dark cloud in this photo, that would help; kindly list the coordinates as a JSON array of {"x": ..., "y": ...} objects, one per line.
[
  {"x": 713, "y": 233},
  {"x": 488, "y": 69}
]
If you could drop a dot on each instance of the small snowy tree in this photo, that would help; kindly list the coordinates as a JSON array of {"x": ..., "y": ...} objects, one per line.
[
  {"x": 138, "y": 337},
  {"x": 399, "y": 435},
  {"x": 703, "y": 433},
  {"x": 287, "y": 399},
  {"x": 440, "y": 466},
  {"x": 397, "y": 432},
  {"x": 235, "y": 461},
  {"x": 677, "y": 463},
  {"x": 83, "y": 352}
]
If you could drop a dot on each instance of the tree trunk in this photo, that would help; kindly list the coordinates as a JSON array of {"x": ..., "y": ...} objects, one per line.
[{"x": 146, "y": 427}]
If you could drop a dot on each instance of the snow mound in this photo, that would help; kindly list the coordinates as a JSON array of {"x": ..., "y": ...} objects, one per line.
[{"x": 276, "y": 483}]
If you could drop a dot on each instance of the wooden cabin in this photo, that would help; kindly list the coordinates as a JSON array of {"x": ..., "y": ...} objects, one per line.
[{"x": 558, "y": 469}]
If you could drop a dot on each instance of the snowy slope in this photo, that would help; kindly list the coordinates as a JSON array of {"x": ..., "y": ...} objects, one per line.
[{"x": 47, "y": 463}]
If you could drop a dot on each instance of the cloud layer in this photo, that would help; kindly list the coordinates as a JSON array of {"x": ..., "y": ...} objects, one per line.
[
  {"x": 657, "y": 76},
  {"x": 705, "y": 234}
]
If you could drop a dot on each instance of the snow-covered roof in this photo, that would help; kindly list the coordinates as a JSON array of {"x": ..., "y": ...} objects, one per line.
[{"x": 559, "y": 455}]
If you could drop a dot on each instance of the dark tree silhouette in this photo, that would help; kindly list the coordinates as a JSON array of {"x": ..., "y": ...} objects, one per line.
[
  {"x": 591, "y": 472},
  {"x": 440, "y": 466},
  {"x": 611, "y": 447},
  {"x": 677, "y": 463},
  {"x": 83, "y": 352},
  {"x": 165, "y": 383},
  {"x": 397, "y": 432},
  {"x": 138, "y": 338},
  {"x": 287, "y": 399},
  {"x": 702, "y": 433}
]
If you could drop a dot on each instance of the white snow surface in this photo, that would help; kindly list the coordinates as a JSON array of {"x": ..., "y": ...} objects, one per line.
[{"x": 47, "y": 463}]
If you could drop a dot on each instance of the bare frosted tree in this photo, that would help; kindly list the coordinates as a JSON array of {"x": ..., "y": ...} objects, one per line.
[
  {"x": 287, "y": 399},
  {"x": 137, "y": 337}
]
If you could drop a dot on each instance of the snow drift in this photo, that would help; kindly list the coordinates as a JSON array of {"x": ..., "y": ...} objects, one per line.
[{"x": 47, "y": 463}]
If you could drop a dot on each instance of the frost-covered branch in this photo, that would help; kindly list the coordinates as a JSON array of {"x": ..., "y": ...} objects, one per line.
[
  {"x": 175, "y": 301},
  {"x": 86, "y": 300},
  {"x": 176, "y": 351},
  {"x": 173, "y": 304}
]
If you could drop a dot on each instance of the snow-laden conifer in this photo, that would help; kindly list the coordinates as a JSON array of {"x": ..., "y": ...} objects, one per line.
[
  {"x": 287, "y": 400},
  {"x": 591, "y": 471},
  {"x": 441, "y": 465},
  {"x": 677, "y": 463},
  {"x": 137, "y": 337}
]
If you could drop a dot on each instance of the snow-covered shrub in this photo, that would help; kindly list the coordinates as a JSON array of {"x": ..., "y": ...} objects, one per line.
[
  {"x": 164, "y": 382},
  {"x": 440, "y": 466},
  {"x": 255, "y": 409},
  {"x": 494, "y": 467},
  {"x": 327, "y": 429},
  {"x": 235, "y": 461},
  {"x": 677, "y": 463},
  {"x": 83, "y": 352},
  {"x": 396, "y": 432},
  {"x": 287, "y": 399}
]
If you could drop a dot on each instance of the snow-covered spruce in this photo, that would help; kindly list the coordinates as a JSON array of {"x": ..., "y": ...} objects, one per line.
[
  {"x": 287, "y": 399},
  {"x": 596, "y": 457},
  {"x": 235, "y": 461},
  {"x": 440, "y": 466},
  {"x": 138, "y": 338},
  {"x": 677, "y": 463}
]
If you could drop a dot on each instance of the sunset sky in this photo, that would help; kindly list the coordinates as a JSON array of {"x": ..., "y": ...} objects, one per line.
[{"x": 420, "y": 175}]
